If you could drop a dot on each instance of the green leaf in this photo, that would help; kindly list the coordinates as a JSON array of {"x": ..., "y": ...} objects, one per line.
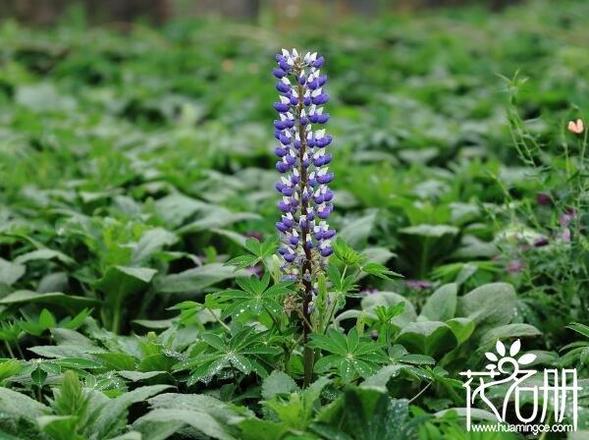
[
  {"x": 278, "y": 382},
  {"x": 255, "y": 300},
  {"x": 351, "y": 356},
  {"x": 357, "y": 232},
  {"x": 259, "y": 252},
  {"x": 432, "y": 338},
  {"x": 69, "y": 398},
  {"x": 441, "y": 305},
  {"x": 261, "y": 249},
  {"x": 368, "y": 414},
  {"x": 490, "y": 305},
  {"x": 132, "y": 435},
  {"x": 137, "y": 376},
  {"x": 30, "y": 297},
  {"x": 46, "y": 319},
  {"x": 151, "y": 242},
  {"x": 109, "y": 417},
  {"x": 346, "y": 254},
  {"x": 39, "y": 375},
  {"x": 76, "y": 321},
  {"x": 243, "y": 261},
  {"x": 78, "y": 364},
  {"x": 235, "y": 237},
  {"x": 297, "y": 411},
  {"x": 382, "y": 377},
  {"x": 43, "y": 254},
  {"x": 433, "y": 231},
  {"x": 10, "y": 272},
  {"x": 205, "y": 414},
  {"x": 60, "y": 351},
  {"x": 508, "y": 331},
  {"x": 256, "y": 429},
  {"x": 379, "y": 270},
  {"x": 240, "y": 351},
  {"x": 195, "y": 280},
  {"x": 121, "y": 281},
  {"x": 19, "y": 405},
  {"x": 370, "y": 302},
  {"x": 216, "y": 217},
  {"x": 175, "y": 208},
  {"x": 200, "y": 421},
  {"x": 222, "y": 411},
  {"x": 462, "y": 328},
  {"x": 582, "y": 329},
  {"x": 59, "y": 427},
  {"x": 117, "y": 361},
  {"x": 9, "y": 368}
]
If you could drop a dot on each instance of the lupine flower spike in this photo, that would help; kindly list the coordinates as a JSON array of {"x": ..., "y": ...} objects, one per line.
[{"x": 303, "y": 162}]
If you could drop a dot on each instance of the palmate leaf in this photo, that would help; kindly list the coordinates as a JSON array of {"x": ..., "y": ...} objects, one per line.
[
  {"x": 350, "y": 257},
  {"x": 379, "y": 270},
  {"x": 255, "y": 297},
  {"x": 240, "y": 352},
  {"x": 258, "y": 251},
  {"x": 351, "y": 356}
]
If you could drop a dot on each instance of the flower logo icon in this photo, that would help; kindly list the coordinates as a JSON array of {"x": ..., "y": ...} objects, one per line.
[{"x": 500, "y": 357}]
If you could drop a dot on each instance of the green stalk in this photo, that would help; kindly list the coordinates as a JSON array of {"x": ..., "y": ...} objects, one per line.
[{"x": 116, "y": 317}]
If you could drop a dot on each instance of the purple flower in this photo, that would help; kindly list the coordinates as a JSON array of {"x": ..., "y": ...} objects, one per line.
[
  {"x": 306, "y": 199},
  {"x": 515, "y": 266},
  {"x": 418, "y": 284},
  {"x": 567, "y": 217},
  {"x": 278, "y": 73},
  {"x": 543, "y": 199}
]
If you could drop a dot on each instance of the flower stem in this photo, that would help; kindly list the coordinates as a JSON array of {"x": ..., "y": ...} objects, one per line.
[{"x": 307, "y": 268}]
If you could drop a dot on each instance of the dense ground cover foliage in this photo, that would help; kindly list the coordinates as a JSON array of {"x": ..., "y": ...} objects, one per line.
[{"x": 140, "y": 294}]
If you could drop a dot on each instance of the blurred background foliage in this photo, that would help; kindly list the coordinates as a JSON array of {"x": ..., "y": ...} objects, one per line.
[{"x": 159, "y": 11}]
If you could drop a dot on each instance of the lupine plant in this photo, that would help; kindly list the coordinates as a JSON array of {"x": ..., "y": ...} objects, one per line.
[
  {"x": 135, "y": 302},
  {"x": 303, "y": 164}
]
